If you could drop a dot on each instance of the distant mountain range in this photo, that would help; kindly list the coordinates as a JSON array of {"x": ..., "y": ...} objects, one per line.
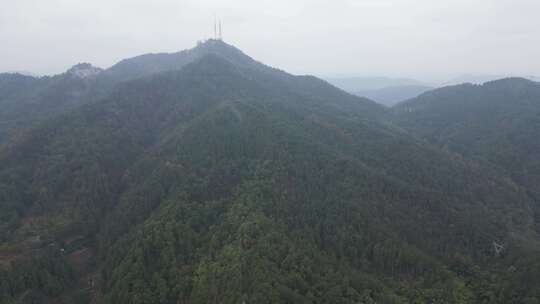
[
  {"x": 358, "y": 84},
  {"x": 392, "y": 95},
  {"x": 205, "y": 176},
  {"x": 383, "y": 90},
  {"x": 390, "y": 91},
  {"x": 480, "y": 79},
  {"x": 24, "y": 73}
]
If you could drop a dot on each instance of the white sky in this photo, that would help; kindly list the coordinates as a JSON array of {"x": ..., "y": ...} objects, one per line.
[{"x": 397, "y": 38}]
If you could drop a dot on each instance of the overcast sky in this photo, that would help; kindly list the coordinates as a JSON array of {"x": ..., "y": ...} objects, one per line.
[{"x": 397, "y": 38}]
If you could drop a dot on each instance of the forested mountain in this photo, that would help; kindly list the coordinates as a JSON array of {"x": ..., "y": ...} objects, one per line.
[
  {"x": 26, "y": 100},
  {"x": 222, "y": 180},
  {"x": 481, "y": 79},
  {"x": 149, "y": 64},
  {"x": 498, "y": 122}
]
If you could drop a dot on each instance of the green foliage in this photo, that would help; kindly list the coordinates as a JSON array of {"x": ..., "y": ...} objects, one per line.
[
  {"x": 47, "y": 274},
  {"x": 497, "y": 122},
  {"x": 229, "y": 182}
]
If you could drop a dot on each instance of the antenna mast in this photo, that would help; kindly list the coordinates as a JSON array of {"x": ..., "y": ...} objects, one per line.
[
  {"x": 215, "y": 27},
  {"x": 220, "y": 36}
]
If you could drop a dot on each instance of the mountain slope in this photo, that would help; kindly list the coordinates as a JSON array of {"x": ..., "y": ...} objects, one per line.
[
  {"x": 230, "y": 182},
  {"x": 26, "y": 100},
  {"x": 280, "y": 190},
  {"x": 148, "y": 64},
  {"x": 498, "y": 122}
]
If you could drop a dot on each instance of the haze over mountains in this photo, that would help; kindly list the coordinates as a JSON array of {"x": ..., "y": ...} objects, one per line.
[
  {"x": 383, "y": 90},
  {"x": 204, "y": 176},
  {"x": 391, "y": 91}
]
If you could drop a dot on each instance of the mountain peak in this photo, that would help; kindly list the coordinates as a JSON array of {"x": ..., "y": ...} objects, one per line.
[
  {"x": 84, "y": 70},
  {"x": 153, "y": 63},
  {"x": 212, "y": 43},
  {"x": 509, "y": 81},
  {"x": 221, "y": 48}
]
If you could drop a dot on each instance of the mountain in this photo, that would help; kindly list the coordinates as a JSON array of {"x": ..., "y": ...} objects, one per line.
[
  {"x": 84, "y": 71},
  {"x": 496, "y": 124},
  {"x": 26, "y": 100},
  {"x": 24, "y": 73},
  {"x": 480, "y": 79},
  {"x": 390, "y": 96},
  {"x": 498, "y": 121},
  {"x": 227, "y": 181},
  {"x": 359, "y": 84},
  {"x": 149, "y": 64}
]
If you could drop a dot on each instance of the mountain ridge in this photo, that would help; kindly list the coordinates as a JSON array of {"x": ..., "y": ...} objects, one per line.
[
  {"x": 495, "y": 122},
  {"x": 84, "y": 83}
]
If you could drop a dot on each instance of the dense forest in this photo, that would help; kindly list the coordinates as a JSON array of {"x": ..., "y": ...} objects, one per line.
[
  {"x": 205, "y": 176},
  {"x": 497, "y": 122}
]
